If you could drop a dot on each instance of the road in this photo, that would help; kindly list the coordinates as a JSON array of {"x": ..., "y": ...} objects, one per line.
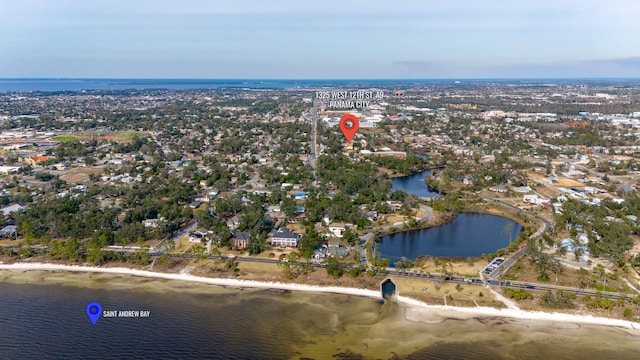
[
  {"x": 506, "y": 265},
  {"x": 410, "y": 274},
  {"x": 546, "y": 224},
  {"x": 314, "y": 141},
  {"x": 619, "y": 178},
  {"x": 164, "y": 245},
  {"x": 460, "y": 279}
]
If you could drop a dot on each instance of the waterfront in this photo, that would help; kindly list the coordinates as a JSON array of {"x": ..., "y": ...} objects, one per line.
[
  {"x": 98, "y": 84},
  {"x": 204, "y": 321}
]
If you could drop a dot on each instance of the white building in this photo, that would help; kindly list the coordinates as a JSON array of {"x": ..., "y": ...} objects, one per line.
[
  {"x": 284, "y": 238},
  {"x": 12, "y": 208},
  {"x": 337, "y": 229},
  {"x": 6, "y": 170}
]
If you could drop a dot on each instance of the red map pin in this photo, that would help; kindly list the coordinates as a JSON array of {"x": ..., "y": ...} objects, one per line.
[{"x": 349, "y": 125}]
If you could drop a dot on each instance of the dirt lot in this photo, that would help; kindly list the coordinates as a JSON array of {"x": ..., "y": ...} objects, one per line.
[
  {"x": 80, "y": 175},
  {"x": 183, "y": 245},
  {"x": 525, "y": 271},
  {"x": 296, "y": 228},
  {"x": 10, "y": 242},
  {"x": 441, "y": 293},
  {"x": 569, "y": 182},
  {"x": 462, "y": 267}
]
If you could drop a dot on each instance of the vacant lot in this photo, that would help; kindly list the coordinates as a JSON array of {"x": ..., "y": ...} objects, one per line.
[
  {"x": 80, "y": 175},
  {"x": 441, "y": 293},
  {"x": 570, "y": 182}
]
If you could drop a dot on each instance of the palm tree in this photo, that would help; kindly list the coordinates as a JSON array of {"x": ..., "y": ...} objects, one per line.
[{"x": 507, "y": 230}]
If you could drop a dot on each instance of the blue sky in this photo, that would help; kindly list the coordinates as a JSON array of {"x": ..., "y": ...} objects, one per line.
[{"x": 325, "y": 39}]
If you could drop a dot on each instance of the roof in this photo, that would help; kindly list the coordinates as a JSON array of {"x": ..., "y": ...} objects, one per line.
[
  {"x": 38, "y": 159},
  {"x": 340, "y": 251},
  {"x": 242, "y": 235},
  {"x": 12, "y": 208},
  {"x": 9, "y": 229},
  {"x": 284, "y": 234}
]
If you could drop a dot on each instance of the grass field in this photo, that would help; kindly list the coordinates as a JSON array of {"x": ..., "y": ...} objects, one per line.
[
  {"x": 65, "y": 138},
  {"x": 121, "y": 136},
  {"x": 130, "y": 134}
]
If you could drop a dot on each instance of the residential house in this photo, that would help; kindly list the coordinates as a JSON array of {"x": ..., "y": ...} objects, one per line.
[
  {"x": 197, "y": 236},
  {"x": 284, "y": 238},
  {"x": 34, "y": 160},
  {"x": 333, "y": 244},
  {"x": 153, "y": 223},
  {"x": 12, "y": 208},
  {"x": 233, "y": 223},
  {"x": 394, "y": 205},
  {"x": 6, "y": 170},
  {"x": 8, "y": 231},
  {"x": 499, "y": 188},
  {"x": 337, "y": 229},
  {"x": 241, "y": 239},
  {"x": 60, "y": 166}
]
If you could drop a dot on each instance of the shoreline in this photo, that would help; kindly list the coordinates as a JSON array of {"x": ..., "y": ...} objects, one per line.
[
  {"x": 409, "y": 302},
  {"x": 444, "y": 219},
  {"x": 399, "y": 175}
]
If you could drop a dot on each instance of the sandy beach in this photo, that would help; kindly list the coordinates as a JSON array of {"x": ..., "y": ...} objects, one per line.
[{"x": 415, "y": 305}]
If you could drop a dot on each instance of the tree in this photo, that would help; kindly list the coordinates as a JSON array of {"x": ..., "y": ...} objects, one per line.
[
  {"x": 293, "y": 257},
  {"x": 584, "y": 280},
  {"x": 545, "y": 264},
  {"x": 507, "y": 230},
  {"x": 142, "y": 255},
  {"x": 288, "y": 207},
  {"x": 90, "y": 160},
  {"x": 286, "y": 269},
  {"x": 257, "y": 244},
  {"x": 309, "y": 241},
  {"x": 445, "y": 267},
  {"x": 199, "y": 251},
  {"x": 71, "y": 250},
  {"x": 233, "y": 266},
  {"x": 334, "y": 267},
  {"x": 350, "y": 237},
  {"x": 229, "y": 205},
  {"x": 95, "y": 254}
]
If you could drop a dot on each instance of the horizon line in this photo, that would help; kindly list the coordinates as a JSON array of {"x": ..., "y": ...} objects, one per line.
[{"x": 323, "y": 79}]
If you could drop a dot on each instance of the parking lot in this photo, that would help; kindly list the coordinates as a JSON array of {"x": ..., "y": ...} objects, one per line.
[{"x": 495, "y": 265}]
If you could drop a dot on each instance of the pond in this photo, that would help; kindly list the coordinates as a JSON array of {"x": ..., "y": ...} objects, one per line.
[
  {"x": 414, "y": 184},
  {"x": 468, "y": 235}
]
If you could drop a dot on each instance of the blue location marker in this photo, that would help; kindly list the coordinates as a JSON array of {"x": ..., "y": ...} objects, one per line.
[{"x": 94, "y": 310}]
